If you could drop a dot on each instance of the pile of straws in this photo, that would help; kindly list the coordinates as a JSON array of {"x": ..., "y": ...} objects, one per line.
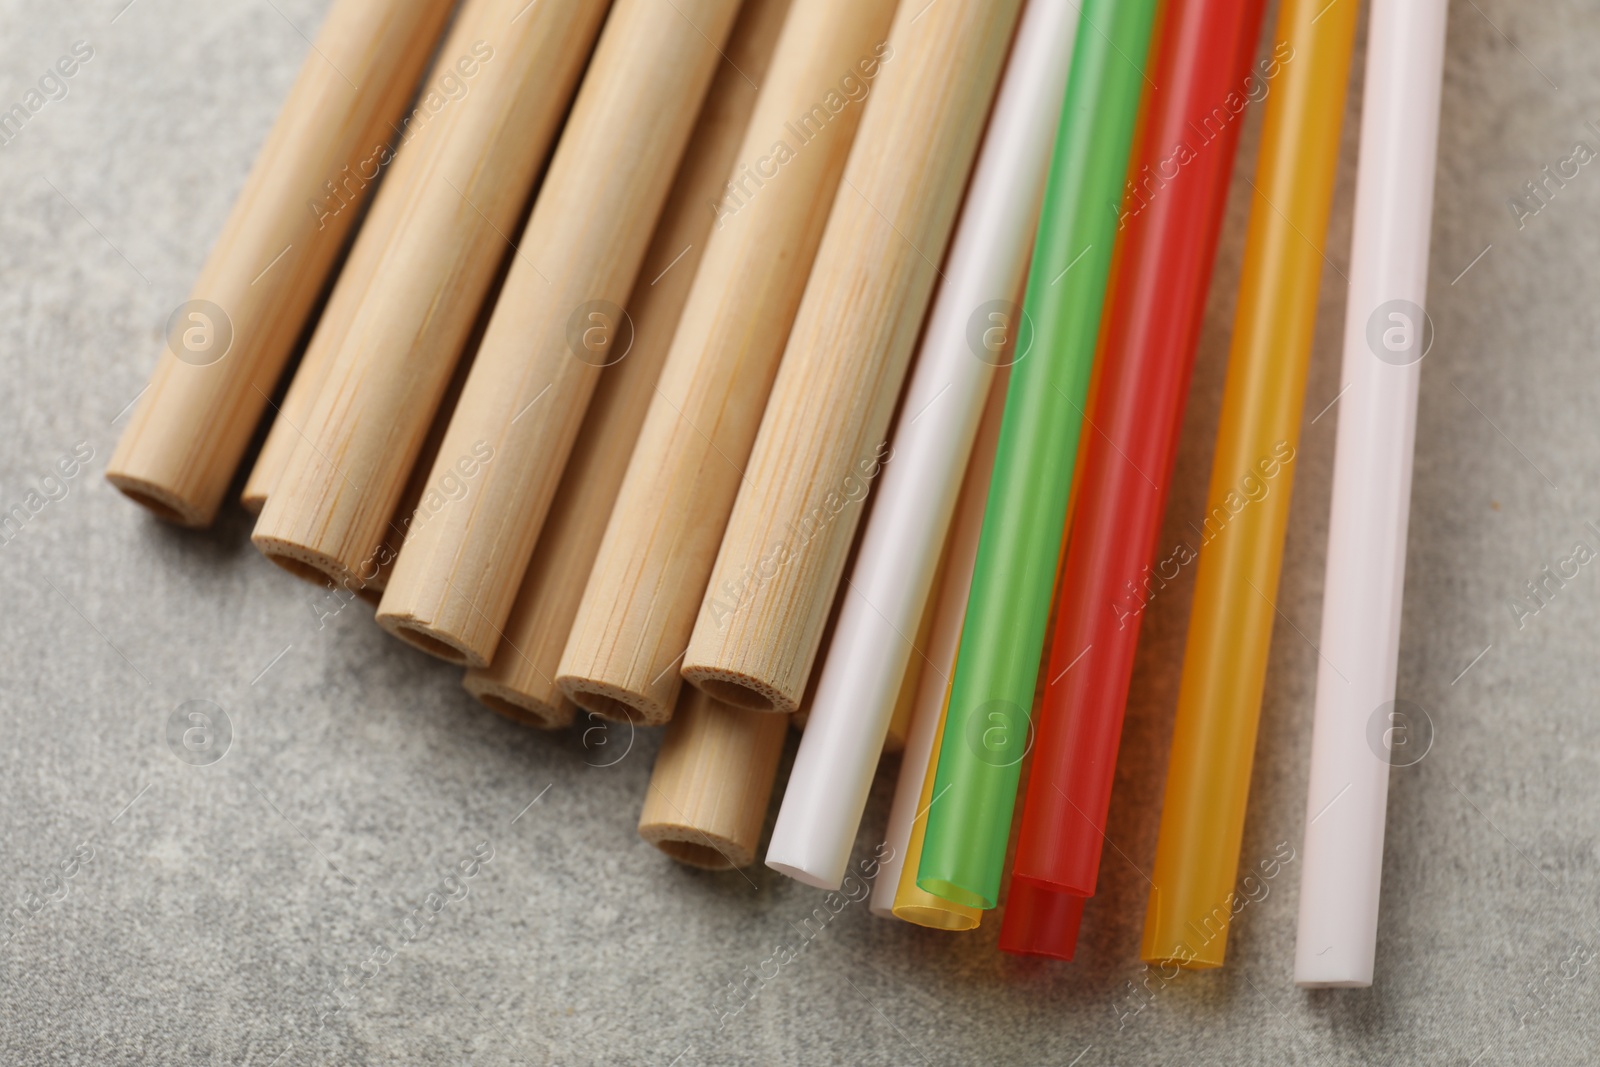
[{"x": 588, "y": 506}]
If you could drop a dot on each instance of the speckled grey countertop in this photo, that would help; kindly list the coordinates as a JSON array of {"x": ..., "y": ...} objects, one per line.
[{"x": 233, "y": 913}]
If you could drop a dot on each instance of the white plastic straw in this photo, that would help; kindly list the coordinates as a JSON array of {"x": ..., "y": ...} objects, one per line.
[
  {"x": 944, "y": 639},
  {"x": 1386, "y": 336},
  {"x": 890, "y": 584}
]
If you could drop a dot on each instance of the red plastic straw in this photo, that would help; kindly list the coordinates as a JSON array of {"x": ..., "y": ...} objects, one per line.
[{"x": 1196, "y": 95}]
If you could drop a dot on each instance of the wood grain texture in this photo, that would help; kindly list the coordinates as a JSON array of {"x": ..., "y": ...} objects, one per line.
[
  {"x": 651, "y": 571},
  {"x": 712, "y": 782},
  {"x": 824, "y": 435},
  {"x": 366, "y": 255},
  {"x": 371, "y": 241},
  {"x": 263, "y": 276},
  {"x": 328, "y": 513},
  {"x": 520, "y": 681},
  {"x": 420, "y": 496},
  {"x": 558, "y": 324}
]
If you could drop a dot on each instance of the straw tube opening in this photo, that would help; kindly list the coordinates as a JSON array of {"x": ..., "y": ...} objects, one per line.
[
  {"x": 518, "y": 707},
  {"x": 433, "y": 643},
  {"x": 315, "y": 567},
  {"x": 740, "y": 690},
  {"x": 690, "y": 846},
  {"x": 935, "y": 918},
  {"x": 162, "y": 503}
]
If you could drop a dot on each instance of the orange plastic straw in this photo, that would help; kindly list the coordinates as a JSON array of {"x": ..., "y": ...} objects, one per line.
[{"x": 1241, "y": 553}]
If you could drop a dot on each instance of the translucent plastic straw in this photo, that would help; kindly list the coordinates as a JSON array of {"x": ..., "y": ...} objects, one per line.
[
  {"x": 987, "y": 729},
  {"x": 1252, "y": 471},
  {"x": 1201, "y": 77}
]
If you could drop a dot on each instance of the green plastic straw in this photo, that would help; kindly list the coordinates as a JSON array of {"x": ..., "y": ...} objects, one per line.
[{"x": 988, "y": 729}]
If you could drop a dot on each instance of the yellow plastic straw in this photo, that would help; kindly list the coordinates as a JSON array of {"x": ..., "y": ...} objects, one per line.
[
  {"x": 1194, "y": 897},
  {"x": 911, "y": 902}
]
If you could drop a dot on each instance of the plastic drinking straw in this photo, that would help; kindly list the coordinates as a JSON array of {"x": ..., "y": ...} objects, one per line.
[
  {"x": 1386, "y": 334},
  {"x": 908, "y": 900},
  {"x": 987, "y": 727},
  {"x": 1252, "y": 472},
  {"x": 893, "y": 575},
  {"x": 1177, "y": 189},
  {"x": 896, "y": 891}
]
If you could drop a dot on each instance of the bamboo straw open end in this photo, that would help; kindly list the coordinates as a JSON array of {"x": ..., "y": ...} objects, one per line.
[
  {"x": 315, "y": 567},
  {"x": 741, "y": 690},
  {"x": 434, "y": 642},
  {"x": 696, "y": 848},
  {"x": 519, "y": 707},
  {"x": 614, "y": 702},
  {"x": 160, "y": 501},
  {"x": 712, "y": 783}
]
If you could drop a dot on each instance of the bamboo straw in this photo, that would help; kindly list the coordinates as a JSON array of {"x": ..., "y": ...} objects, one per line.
[
  {"x": 651, "y": 571},
  {"x": 897, "y": 892},
  {"x": 417, "y": 499},
  {"x": 1385, "y": 338},
  {"x": 337, "y": 315},
  {"x": 558, "y": 323},
  {"x": 226, "y": 346},
  {"x": 328, "y": 513},
  {"x": 1241, "y": 554},
  {"x": 893, "y": 575},
  {"x": 712, "y": 782},
  {"x": 448, "y": 77},
  {"x": 420, "y": 498},
  {"x": 822, "y": 440},
  {"x": 520, "y": 680},
  {"x": 372, "y": 588}
]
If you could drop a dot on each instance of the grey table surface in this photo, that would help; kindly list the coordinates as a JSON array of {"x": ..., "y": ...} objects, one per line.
[{"x": 254, "y": 911}]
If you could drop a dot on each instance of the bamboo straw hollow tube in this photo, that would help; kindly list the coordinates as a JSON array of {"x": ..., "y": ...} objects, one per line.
[
  {"x": 1241, "y": 555},
  {"x": 1386, "y": 333},
  {"x": 421, "y": 498},
  {"x": 638, "y": 610},
  {"x": 893, "y": 575},
  {"x": 227, "y": 345},
  {"x": 712, "y": 782},
  {"x": 328, "y": 513},
  {"x": 897, "y": 892},
  {"x": 558, "y": 324},
  {"x": 449, "y": 77},
  {"x": 520, "y": 681},
  {"x": 822, "y": 439}
]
